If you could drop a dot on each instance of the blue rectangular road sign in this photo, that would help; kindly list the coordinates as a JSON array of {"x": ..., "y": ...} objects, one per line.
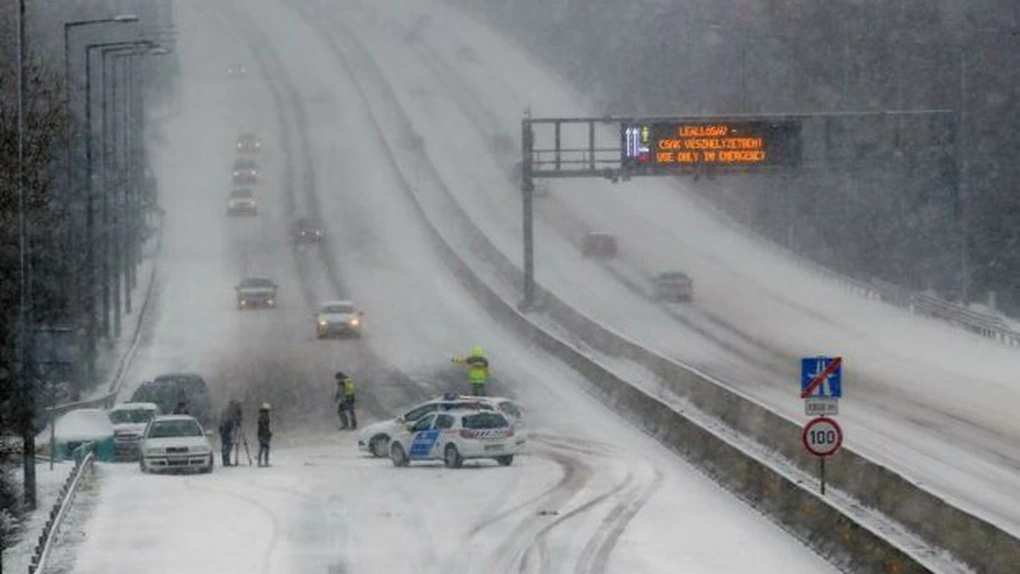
[{"x": 812, "y": 367}]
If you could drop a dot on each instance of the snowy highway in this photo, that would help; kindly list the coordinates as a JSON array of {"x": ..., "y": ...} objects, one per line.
[
  {"x": 928, "y": 400},
  {"x": 593, "y": 494}
]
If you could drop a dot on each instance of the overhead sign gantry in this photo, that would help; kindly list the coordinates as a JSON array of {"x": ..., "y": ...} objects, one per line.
[{"x": 621, "y": 148}]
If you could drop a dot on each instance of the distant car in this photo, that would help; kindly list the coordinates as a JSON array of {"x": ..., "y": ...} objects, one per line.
[
  {"x": 256, "y": 293},
  {"x": 675, "y": 286},
  {"x": 237, "y": 70},
  {"x": 174, "y": 391},
  {"x": 375, "y": 438},
  {"x": 338, "y": 318},
  {"x": 129, "y": 422},
  {"x": 306, "y": 230},
  {"x": 75, "y": 428},
  {"x": 242, "y": 202},
  {"x": 249, "y": 143},
  {"x": 175, "y": 443},
  {"x": 455, "y": 436},
  {"x": 246, "y": 172},
  {"x": 599, "y": 244}
]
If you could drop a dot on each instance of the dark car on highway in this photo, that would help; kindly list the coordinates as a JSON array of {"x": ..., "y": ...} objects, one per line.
[
  {"x": 176, "y": 391},
  {"x": 599, "y": 244},
  {"x": 256, "y": 293},
  {"x": 249, "y": 143},
  {"x": 246, "y": 172},
  {"x": 306, "y": 230},
  {"x": 673, "y": 286}
]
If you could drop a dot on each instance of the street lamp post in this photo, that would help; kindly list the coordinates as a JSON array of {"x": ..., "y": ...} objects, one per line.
[
  {"x": 72, "y": 238},
  {"x": 90, "y": 249}
]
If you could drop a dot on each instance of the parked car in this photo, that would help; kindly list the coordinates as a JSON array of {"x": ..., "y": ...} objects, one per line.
[
  {"x": 255, "y": 293},
  {"x": 599, "y": 244},
  {"x": 174, "y": 392},
  {"x": 176, "y": 443},
  {"x": 455, "y": 436},
  {"x": 375, "y": 438},
  {"x": 675, "y": 286},
  {"x": 75, "y": 428},
  {"x": 129, "y": 422}
]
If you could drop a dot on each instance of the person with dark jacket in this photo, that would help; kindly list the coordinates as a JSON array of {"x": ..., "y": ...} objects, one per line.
[
  {"x": 230, "y": 427},
  {"x": 265, "y": 434}
]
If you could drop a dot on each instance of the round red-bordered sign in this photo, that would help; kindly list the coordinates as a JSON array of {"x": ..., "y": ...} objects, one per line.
[{"x": 822, "y": 436}]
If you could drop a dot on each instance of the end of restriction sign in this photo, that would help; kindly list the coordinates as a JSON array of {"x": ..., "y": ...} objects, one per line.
[{"x": 822, "y": 436}]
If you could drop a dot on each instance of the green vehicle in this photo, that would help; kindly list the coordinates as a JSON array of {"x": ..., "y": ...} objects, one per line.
[{"x": 75, "y": 428}]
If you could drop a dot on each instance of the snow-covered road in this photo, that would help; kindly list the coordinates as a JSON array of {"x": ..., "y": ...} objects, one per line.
[
  {"x": 592, "y": 495},
  {"x": 928, "y": 400}
]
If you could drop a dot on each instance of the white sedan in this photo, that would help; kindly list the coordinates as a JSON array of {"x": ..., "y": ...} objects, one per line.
[
  {"x": 338, "y": 317},
  {"x": 455, "y": 436},
  {"x": 375, "y": 438},
  {"x": 175, "y": 442}
]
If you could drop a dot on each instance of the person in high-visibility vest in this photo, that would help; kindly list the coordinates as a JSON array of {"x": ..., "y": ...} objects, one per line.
[
  {"x": 345, "y": 401},
  {"x": 478, "y": 370}
]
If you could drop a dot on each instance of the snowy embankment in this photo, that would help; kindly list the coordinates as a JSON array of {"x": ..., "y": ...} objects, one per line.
[{"x": 49, "y": 481}]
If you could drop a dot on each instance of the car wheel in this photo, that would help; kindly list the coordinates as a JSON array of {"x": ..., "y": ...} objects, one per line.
[
  {"x": 397, "y": 455},
  {"x": 452, "y": 458},
  {"x": 141, "y": 466},
  {"x": 377, "y": 446},
  {"x": 505, "y": 460}
]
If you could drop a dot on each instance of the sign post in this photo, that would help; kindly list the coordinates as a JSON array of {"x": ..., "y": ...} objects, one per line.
[{"x": 822, "y": 437}]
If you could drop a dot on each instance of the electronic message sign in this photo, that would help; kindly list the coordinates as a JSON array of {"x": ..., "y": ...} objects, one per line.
[{"x": 708, "y": 144}]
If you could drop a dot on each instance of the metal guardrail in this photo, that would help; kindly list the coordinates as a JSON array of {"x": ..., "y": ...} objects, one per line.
[
  {"x": 917, "y": 303},
  {"x": 84, "y": 459}
]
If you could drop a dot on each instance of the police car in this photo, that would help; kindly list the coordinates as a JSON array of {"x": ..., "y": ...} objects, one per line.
[
  {"x": 375, "y": 438},
  {"x": 455, "y": 436}
]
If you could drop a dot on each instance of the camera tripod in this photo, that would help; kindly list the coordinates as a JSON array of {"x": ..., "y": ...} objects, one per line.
[{"x": 237, "y": 448}]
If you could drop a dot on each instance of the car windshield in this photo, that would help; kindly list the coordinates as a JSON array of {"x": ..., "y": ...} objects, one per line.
[
  {"x": 241, "y": 193},
  {"x": 174, "y": 428},
  {"x": 123, "y": 416},
  {"x": 339, "y": 308},
  {"x": 485, "y": 421}
]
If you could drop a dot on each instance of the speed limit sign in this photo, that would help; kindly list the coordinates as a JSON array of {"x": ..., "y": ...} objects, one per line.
[{"x": 822, "y": 436}]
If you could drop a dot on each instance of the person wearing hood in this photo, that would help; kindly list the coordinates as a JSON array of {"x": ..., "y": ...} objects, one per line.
[
  {"x": 478, "y": 370},
  {"x": 265, "y": 434}
]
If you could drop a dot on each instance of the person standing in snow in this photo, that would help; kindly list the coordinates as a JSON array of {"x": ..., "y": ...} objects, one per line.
[
  {"x": 345, "y": 401},
  {"x": 230, "y": 426},
  {"x": 265, "y": 434}
]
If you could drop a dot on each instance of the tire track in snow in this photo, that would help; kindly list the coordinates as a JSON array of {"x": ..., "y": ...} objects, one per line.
[{"x": 274, "y": 520}]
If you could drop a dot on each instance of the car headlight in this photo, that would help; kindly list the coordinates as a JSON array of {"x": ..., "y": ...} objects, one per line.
[
  {"x": 355, "y": 322},
  {"x": 236, "y": 173},
  {"x": 323, "y": 323},
  {"x": 270, "y": 302},
  {"x": 200, "y": 450},
  {"x": 153, "y": 451}
]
